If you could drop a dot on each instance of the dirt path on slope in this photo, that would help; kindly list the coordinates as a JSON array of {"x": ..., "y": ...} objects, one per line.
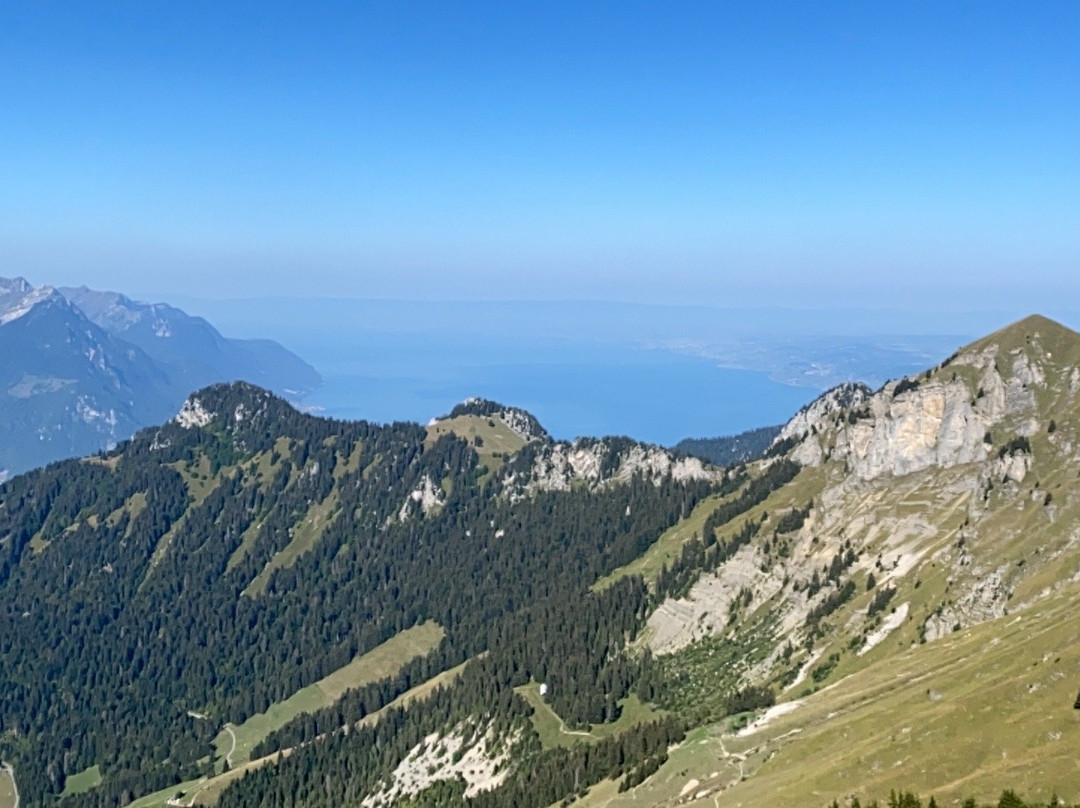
[{"x": 228, "y": 755}]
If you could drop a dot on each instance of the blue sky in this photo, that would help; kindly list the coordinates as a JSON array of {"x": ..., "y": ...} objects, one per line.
[{"x": 816, "y": 153}]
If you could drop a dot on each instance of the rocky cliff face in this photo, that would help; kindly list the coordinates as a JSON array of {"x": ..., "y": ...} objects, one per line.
[
  {"x": 804, "y": 427},
  {"x": 945, "y": 417},
  {"x": 562, "y": 466},
  {"x": 935, "y": 424},
  {"x": 953, "y": 490}
]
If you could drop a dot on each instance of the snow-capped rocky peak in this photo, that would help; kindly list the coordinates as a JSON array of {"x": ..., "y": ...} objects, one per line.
[{"x": 16, "y": 304}]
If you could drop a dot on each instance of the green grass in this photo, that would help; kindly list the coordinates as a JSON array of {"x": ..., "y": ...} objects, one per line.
[
  {"x": 207, "y": 791},
  {"x": 200, "y": 483},
  {"x": 308, "y": 530},
  {"x": 553, "y": 731},
  {"x": 976, "y": 712},
  {"x": 547, "y": 724},
  {"x": 134, "y": 505},
  {"x": 247, "y": 541},
  {"x": 496, "y": 437},
  {"x": 82, "y": 782},
  {"x": 698, "y": 752},
  {"x": 306, "y": 534},
  {"x": 7, "y": 790},
  {"x": 264, "y": 471},
  {"x": 160, "y": 798},
  {"x": 385, "y": 660},
  {"x": 350, "y": 464},
  {"x": 666, "y": 549},
  {"x": 418, "y": 693},
  {"x": 38, "y": 543},
  {"x": 806, "y": 486}
]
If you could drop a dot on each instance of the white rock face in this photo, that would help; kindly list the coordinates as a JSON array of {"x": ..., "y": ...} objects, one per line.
[
  {"x": 814, "y": 421},
  {"x": 434, "y": 759},
  {"x": 14, "y": 286},
  {"x": 888, "y": 626},
  {"x": 22, "y": 300},
  {"x": 706, "y": 609},
  {"x": 427, "y": 494},
  {"x": 823, "y": 410},
  {"x": 87, "y": 413},
  {"x": 563, "y": 465},
  {"x": 521, "y": 424},
  {"x": 985, "y": 599},
  {"x": 932, "y": 425},
  {"x": 1012, "y": 467},
  {"x": 193, "y": 414}
]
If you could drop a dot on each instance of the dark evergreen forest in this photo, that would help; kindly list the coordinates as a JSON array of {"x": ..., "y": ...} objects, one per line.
[{"x": 125, "y": 604}]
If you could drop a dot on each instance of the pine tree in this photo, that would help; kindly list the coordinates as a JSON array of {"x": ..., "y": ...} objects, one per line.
[{"x": 1010, "y": 800}]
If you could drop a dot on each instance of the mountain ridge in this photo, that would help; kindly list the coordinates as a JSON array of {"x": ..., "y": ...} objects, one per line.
[
  {"x": 941, "y": 505},
  {"x": 614, "y": 629},
  {"x": 73, "y": 382},
  {"x": 728, "y": 450}
]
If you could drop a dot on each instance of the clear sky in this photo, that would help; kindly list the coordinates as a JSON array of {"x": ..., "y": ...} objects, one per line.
[{"x": 673, "y": 152}]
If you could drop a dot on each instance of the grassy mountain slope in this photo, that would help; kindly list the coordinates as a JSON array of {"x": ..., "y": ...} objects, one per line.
[{"x": 918, "y": 612}]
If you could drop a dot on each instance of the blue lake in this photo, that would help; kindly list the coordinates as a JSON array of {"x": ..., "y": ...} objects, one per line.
[
  {"x": 581, "y": 368},
  {"x": 655, "y": 396}
]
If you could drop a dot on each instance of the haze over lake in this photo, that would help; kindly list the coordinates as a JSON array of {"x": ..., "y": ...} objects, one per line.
[{"x": 656, "y": 373}]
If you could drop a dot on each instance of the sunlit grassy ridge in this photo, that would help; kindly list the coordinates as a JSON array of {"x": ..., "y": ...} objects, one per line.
[
  {"x": 489, "y": 435},
  {"x": 7, "y": 790},
  {"x": 554, "y": 732},
  {"x": 963, "y": 683},
  {"x": 378, "y": 663}
]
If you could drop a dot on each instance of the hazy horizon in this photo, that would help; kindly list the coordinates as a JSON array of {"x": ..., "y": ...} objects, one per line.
[
  {"x": 804, "y": 193},
  {"x": 655, "y": 372},
  {"x": 836, "y": 155}
]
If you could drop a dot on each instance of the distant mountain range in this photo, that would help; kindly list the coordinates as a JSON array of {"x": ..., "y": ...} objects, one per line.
[{"x": 81, "y": 370}]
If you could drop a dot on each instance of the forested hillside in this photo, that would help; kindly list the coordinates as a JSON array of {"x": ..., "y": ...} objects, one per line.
[
  {"x": 729, "y": 450},
  {"x": 215, "y": 566},
  {"x": 253, "y": 607}
]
